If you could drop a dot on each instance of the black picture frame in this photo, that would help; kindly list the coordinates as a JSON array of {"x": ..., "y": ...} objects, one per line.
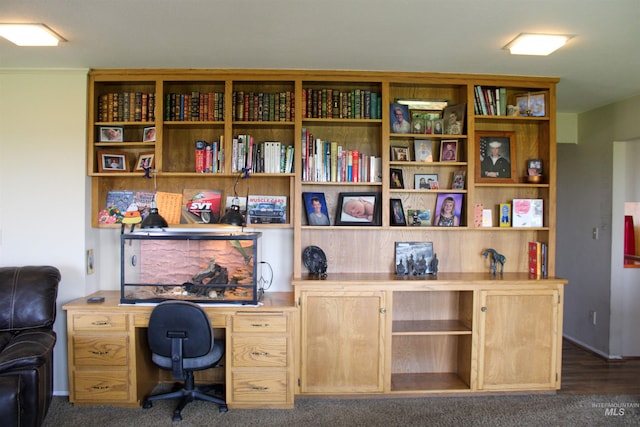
[
  {"x": 397, "y": 217},
  {"x": 413, "y": 258},
  {"x": 358, "y": 208},
  {"x": 314, "y": 217},
  {"x": 396, "y": 179}
]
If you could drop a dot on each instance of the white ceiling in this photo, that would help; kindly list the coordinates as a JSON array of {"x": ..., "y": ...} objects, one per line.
[{"x": 599, "y": 66}]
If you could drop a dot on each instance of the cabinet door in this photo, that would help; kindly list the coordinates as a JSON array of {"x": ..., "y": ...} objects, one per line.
[
  {"x": 519, "y": 340},
  {"x": 342, "y": 342}
]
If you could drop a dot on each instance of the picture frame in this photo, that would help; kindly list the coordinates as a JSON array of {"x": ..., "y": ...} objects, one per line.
[
  {"x": 502, "y": 170},
  {"x": 423, "y": 149},
  {"x": 399, "y": 120},
  {"x": 458, "y": 180},
  {"x": 111, "y": 134},
  {"x": 453, "y": 117},
  {"x": 145, "y": 160},
  {"x": 413, "y": 258},
  {"x": 112, "y": 161},
  {"x": 418, "y": 121},
  {"x": 449, "y": 150},
  {"x": 397, "y": 217},
  {"x": 442, "y": 217},
  {"x": 419, "y": 217},
  {"x": 531, "y": 104},
  {"x": 534, "y": 167},
  {"x": 438, "y": 127},
  {"x": 400, "y": 154},
  {"x": 358, "y": 208},
  {"x": 316, "y": 208},
  {"x": 396, "y": 179},
  {"x": 149, "y": 134},
  {"x": 422, "y": 181}
]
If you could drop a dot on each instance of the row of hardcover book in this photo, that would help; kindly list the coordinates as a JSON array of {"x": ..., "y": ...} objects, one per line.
[
  {"x": 538, "y": 258},
  {"x": 261, "y": 156},
  {"x": 209, "y": 156},
  {"x": 328, "y": 103},
  {"x": 126, "y": 107},
  {"x": 194, "y": 106},
  {"x": 263, "y": 106},
  {"x": 490, "y": 101},
  {"x": 327, "y": 161}
]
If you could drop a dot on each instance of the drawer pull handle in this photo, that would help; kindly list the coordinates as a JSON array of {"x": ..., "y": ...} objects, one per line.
[
  {"x": 100, "y": 353},
  {"x": 101, "y": 387},
  {"x": 260, "y": 388},
  {"x": 101, "y": 323},
  {"x": 260, "y": 325},
  {"x": 259, "y": 353}
]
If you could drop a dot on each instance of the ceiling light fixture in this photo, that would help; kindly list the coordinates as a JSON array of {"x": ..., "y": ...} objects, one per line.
[
  {"x": 537, "y": 44},
  {"x": 30, "y": 35}
]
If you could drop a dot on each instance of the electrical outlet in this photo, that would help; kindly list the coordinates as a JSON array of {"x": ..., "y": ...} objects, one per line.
[
  {"x": 592, "y": 317},
  {"x": 595, "y": 233},
  {"x": 90, "y": 262}
]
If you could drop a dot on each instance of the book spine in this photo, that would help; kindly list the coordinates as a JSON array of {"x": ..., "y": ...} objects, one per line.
[{"x": 355, "y": 166}]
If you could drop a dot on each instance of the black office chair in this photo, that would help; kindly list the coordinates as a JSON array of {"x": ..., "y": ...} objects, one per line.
[{"x": 181, "y": 339}]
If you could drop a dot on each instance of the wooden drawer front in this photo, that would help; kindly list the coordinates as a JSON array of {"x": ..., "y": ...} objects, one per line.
[
  {"x": 100, "y": 322},
  {"x": 101, "y": 386},
  {"x": 259, "y": 386},
  {"x": 263, "y": 322},
  {"x": 141, "y": 320},
  {"x": 98, "y": 350},
  {"x": 249, "y": 351}
]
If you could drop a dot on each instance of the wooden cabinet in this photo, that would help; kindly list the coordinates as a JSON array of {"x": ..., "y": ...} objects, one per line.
[
  {"x": 458, "y": 333},
  {"x": 520, "y": 339},
  {"x": 342, "y": 341}
]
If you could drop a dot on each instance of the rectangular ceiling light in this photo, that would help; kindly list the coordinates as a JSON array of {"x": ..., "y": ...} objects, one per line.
[
  {"x": 30, "y": 34},
  {"x": 537, "y": 44}
]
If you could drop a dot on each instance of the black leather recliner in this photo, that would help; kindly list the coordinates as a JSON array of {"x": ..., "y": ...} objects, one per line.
[{"x": 27, "y": 312}]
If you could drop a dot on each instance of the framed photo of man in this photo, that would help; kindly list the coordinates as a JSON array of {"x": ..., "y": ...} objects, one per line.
[{"x": 496, "y": 152}]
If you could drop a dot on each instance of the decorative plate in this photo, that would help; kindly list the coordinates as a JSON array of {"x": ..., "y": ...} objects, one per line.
[{"x": 315, "y": 260}]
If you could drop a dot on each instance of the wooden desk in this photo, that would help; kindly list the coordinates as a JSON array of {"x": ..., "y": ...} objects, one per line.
[{"x": 110, "y": 363}]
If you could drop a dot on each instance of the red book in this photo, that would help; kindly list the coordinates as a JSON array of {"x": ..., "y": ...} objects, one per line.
[
  {"x": 355, "y": 165},
  {"x": 535, "y": 262}
]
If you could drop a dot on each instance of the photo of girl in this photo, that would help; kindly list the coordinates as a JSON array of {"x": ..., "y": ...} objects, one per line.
[{"x": 448, "y": 208}]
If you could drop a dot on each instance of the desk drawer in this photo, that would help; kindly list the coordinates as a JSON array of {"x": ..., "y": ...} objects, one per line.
[
  {"x": 101, "y": 385},
  {"x": 250, "y": 351},
  {"x": 256, "y": 387},
  {"x": 262, "y": 322},
  {"x": 100, "y": 350},
  {"x": 99, "y": 322}
]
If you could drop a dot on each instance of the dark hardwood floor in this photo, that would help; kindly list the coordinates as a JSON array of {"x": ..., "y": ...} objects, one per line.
[{"x": 584, "y": 372}]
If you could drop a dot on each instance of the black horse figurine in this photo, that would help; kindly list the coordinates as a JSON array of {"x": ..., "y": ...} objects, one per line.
[{"x": 495, "y": 259}]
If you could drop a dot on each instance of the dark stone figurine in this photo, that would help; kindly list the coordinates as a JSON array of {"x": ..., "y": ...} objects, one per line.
[{"x": 495, "y": 259}]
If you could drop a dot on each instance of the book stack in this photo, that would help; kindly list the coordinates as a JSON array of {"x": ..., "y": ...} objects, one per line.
[
  {"x": 194, "y": 106},
  {"x": 329, "y": 103},
  {"x": 263, "y": 106},
  {"x": 538, "y": 258},
  {"x": 328, "y": 161},
  {"x": 490, "y": 101},
  {"x": 126, "y": 107}
]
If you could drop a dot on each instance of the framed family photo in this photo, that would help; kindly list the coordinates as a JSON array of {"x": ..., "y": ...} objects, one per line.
[
  {"x": 453, "y": 117},
  {"x": 399, "y": 153},
  {"x": 448, "y": 210},
  {"x": 423, "y": 149},
  {"x": 449, "y": 150},
  {"x": 358, "y": 208},
  {"x": 112, "y": 161},
  {"x": 316, "y": 208},
  {"x": 397, "y": 212},
  {"x": 145, "y": 160},
  {"x": 111, "y": 134},
  {"x": 399, "y": 117},
  {"x": 397, "y": 180},
  {"x": 531, "y": 104},
  {"x": 424, "y": 181},
  {"x": 149, "y": 134},
  {"x": 496, "y": 152}
]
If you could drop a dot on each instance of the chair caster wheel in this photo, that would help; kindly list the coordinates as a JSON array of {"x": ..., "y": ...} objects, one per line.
[
  {"x": 147, "y": 404},
  {"x": 223, "y": 409},
  {"x": 176, "y": 417}
]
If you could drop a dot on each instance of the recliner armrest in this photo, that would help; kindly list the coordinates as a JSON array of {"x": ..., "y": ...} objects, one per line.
[{"x": 27, "y": 349}]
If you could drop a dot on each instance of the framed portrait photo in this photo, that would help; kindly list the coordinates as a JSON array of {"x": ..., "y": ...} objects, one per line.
[
  {"x": 423, "y": 149},
  {"x": 149, "y": 134},
  {"x": 400, "y": 154},
  {"x": 399, "y": 118},
  {"x": 396, "y": 179},
  {"x": 112, "y": 161},
  {"x": 111, "y": 134},
  {"x": 397, "y": 213},
  {"x": 496, "y": 152},
  {"x": 358, "y": 208},
  {"x": 531, "y": 104},
  {"x": 145, "y": 160},
  {"x": 448, "y": 210},
  {"x": 413, "y": 258},
  {"x": 419, "y": 121},
  {"x": 316, "y": 208},
  {"x": 449, "y": 150},
  {"x": 453, "y": 117},
  {"x": 424, "y": 181}
]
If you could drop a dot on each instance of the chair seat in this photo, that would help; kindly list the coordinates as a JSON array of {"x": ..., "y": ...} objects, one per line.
[{"x": 196, "y": 364}]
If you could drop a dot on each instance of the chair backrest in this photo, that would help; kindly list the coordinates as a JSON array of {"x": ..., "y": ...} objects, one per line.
[
  {"x": 180, "y": 319},
  {"x": 28, "y": 297}
]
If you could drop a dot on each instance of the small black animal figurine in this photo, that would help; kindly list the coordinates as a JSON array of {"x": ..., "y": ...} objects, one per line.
[{"x": 495, "y": 259}]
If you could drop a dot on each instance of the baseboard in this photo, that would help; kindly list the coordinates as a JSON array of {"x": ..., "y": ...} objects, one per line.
[
  {"x": 590, "y": 349},
  {"x": 60, "y": 393}
]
